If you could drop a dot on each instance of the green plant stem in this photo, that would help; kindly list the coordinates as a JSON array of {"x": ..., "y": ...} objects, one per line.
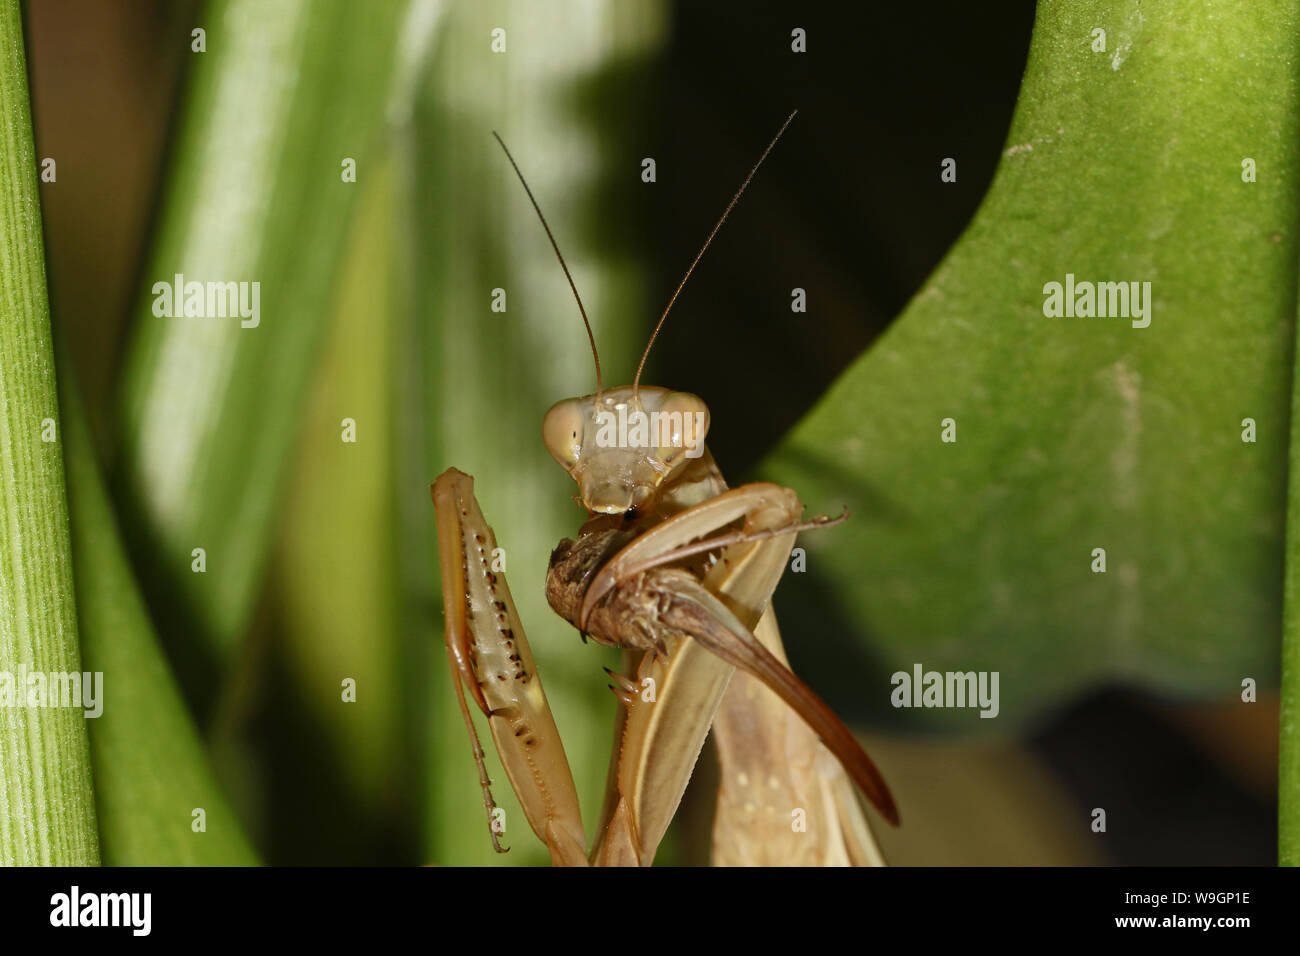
[{"x": 47, "y": 813}]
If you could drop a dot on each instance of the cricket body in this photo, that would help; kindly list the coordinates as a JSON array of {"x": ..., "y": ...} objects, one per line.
[{"x": 678, "y": 570}]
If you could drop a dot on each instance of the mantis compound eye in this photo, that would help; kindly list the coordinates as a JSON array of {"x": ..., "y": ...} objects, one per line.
[
  {"x": 562, "y": 431},
  {"x": 682, "y": 421}
]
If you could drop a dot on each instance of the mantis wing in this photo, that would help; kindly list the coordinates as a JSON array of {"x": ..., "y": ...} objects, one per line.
[{"x": 783, "y": 798}]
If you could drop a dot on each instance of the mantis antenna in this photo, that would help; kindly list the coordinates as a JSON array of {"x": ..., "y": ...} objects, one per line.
[
  {"x": 636, "y": 382},
  {"x": 563, "y": 265}
]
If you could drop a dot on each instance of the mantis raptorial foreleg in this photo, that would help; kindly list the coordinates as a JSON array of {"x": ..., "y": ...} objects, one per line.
[
  {"x": 490, "y": 656},
  {"x": 772, "y": 763},
  {"x": 694, "y": 630},
  {"x": 662, "y": 739}
]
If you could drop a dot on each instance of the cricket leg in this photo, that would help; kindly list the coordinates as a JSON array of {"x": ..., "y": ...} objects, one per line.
[{"x": 490, "y": 657}]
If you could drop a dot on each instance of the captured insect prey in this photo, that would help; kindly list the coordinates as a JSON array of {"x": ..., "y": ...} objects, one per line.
[{"x": 678, "y": 570}]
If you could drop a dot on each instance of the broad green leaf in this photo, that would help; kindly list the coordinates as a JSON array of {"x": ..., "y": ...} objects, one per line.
[
  {"x": 47, "y": 813},
  {"x": 1075, "y": 434}
]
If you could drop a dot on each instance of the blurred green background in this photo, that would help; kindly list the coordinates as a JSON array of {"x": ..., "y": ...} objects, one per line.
[{"x": 376, "y": 301}]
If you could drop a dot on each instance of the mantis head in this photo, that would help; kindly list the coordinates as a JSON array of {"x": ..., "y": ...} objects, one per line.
[{"x": 622, "y": 445}]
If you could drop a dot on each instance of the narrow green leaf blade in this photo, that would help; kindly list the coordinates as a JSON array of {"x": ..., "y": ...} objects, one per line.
[
  {"x": 47, "y": 813},
  {"x": 283, "y": 97}
]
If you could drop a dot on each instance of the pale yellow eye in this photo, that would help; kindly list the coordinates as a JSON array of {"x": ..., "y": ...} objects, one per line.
[
  {"x": 683, "y": 423},
  {"x": 562, "y": 430}
]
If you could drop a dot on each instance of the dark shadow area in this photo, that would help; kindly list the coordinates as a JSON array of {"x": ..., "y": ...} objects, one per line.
[
  {"x": 849, "y": 206},
  {"x": 313, "y": 816},
  {"x": 1167, "y": 803}
]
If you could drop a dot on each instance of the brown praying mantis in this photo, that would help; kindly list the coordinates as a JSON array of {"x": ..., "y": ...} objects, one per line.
[{"x": 678, "y": 570}]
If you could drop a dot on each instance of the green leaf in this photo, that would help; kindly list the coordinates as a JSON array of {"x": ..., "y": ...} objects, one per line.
[
  {"x": 47, "y": 811},
  {"x": 151, "y": 772},
  {"x": 1081, "y": 433},
  {"x": 284, "y": 95}
]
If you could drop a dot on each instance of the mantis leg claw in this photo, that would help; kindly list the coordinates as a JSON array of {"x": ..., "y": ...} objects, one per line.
[{"x": 624, "y": 688}]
